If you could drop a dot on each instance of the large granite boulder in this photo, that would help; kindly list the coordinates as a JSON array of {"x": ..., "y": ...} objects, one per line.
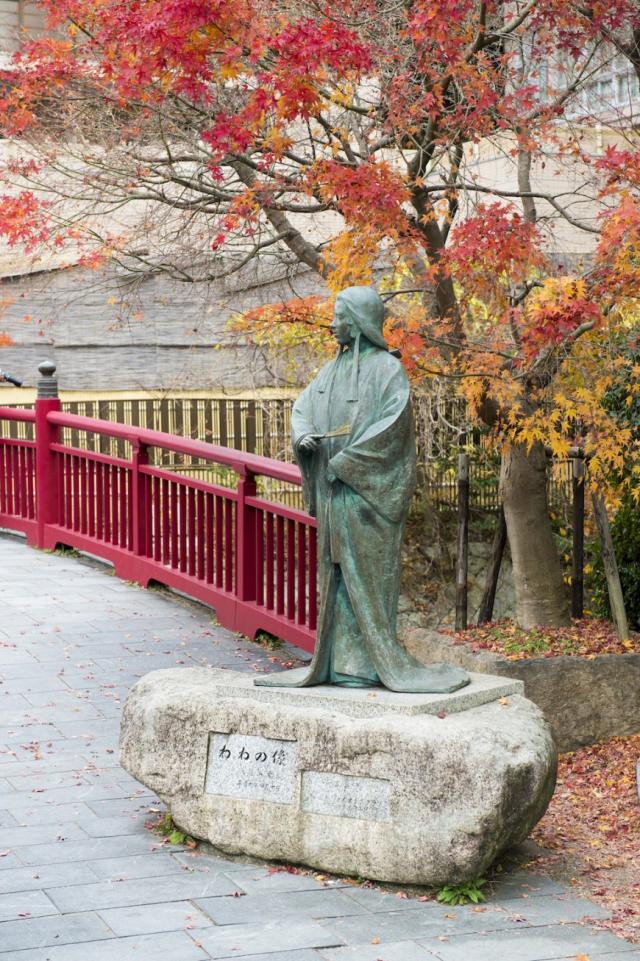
[{"x": 406, "y": 788}]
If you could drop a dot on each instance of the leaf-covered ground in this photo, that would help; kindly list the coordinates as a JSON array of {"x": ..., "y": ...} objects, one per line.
[
  {"x": 584, "y": 638},
  {"x": 592, "y": 829}
]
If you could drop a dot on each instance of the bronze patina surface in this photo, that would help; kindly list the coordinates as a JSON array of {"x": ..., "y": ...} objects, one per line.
[{"x": 354, "y": 441}]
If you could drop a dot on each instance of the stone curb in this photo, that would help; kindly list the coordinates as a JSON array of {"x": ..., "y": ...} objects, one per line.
[{"x": 585, "y": 699}]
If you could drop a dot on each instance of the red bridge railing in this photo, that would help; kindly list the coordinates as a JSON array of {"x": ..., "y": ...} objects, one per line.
[{"x": 250, "y": 558}]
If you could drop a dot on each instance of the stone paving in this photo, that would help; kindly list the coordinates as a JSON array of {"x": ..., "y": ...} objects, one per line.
[{"x": 82, "y": 879}]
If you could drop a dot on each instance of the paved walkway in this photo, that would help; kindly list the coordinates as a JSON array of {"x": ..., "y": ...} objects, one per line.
[{"x": 81, "y": 879}]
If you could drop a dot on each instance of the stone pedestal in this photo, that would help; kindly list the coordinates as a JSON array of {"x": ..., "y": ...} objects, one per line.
[{"x": 406, "y": 788}]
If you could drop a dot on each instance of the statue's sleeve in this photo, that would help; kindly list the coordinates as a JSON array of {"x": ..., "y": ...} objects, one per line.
[
  {"x": 379, "y": 462},
  {"x": 302, "y": 424},
  {"x": 302, "y": 417}
]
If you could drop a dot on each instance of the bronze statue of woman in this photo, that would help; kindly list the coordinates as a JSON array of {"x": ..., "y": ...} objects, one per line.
[{"x": 353, "y": 440}]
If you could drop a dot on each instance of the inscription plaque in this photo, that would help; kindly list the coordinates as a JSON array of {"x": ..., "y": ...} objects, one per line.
[
  {"x": 346, "y": 796},
  {"x": 253, "y": 768}
]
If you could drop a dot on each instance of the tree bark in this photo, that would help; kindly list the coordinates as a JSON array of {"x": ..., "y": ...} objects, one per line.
[{"x": 540, "y": 592}]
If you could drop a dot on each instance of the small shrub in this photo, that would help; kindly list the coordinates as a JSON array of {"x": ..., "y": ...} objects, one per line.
[
  {"x": 469, "y": 892},
  {"x": 166, "y": 827}
]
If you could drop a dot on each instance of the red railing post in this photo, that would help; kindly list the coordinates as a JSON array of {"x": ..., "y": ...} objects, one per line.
[
  {"x": 245, "y": 539},
  {"x": 140, "y": 514},
  {"x": 46, "y": 467}
]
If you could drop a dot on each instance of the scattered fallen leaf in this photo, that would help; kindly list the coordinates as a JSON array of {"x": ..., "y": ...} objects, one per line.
[
  {"x": 587, "y": 638},
  {"x": 594, "y": 820}
]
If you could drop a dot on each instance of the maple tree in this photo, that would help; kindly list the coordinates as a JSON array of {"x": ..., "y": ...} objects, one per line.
[{"x": 194, "y": 136}]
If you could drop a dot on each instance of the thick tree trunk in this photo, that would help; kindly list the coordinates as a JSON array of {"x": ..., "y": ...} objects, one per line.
[{"x": 540, "y": 593}]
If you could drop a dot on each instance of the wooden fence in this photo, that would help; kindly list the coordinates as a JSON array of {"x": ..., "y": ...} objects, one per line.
[{"x": 263, "y": 426}]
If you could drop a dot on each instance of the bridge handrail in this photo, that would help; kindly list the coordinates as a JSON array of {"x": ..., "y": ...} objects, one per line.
[
  {"x": 250, "y": 557},
  {"x": 242, "y": 463},
  {"x": 17, "y": 413}
]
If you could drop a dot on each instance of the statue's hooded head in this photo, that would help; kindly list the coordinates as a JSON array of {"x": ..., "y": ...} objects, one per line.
[{"x": 366, "y": 311}]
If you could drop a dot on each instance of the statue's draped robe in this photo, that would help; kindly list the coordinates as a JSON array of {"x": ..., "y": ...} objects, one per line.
[{"x": 361, "y": 518}]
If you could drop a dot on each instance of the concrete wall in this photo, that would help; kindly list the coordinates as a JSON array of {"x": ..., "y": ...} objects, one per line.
[
  {"x": 158, "y": 336},
  {"x": 585, "y": 700},
  {"x": 17, "y": 16}
]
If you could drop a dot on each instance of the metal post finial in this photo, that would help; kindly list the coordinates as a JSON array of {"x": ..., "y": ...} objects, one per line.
[{"x": 48, "y": 384}]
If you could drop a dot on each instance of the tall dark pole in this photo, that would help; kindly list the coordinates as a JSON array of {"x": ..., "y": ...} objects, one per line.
[
  {"x": 462, "y": 562},
  {"x": 577, "y": 571},
  {"x": 616, "y": 598},
  {"x": 493, "y": 571}
]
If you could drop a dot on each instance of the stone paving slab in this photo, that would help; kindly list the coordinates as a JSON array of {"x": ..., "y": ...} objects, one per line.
[
  {"x": 540, "y": 944},
  {"x": 426, "y": 921},
  {"x": 106, "y": 894},
  {"x": 173, "y": 946},
  {"x": 82, "y": 879},
  {"x": 100, "y": 850},
  {"x": 303, "y": 955},
  {"x": 612, "y": 956},
  {"x": 155, "y": 918},
  {"x": 240, "y": 940},
  {"x": 256, "y": 881},
  {"x": 552, "y": 910},
  {"x": 8, "y": 860},
  {"x": 320, "y": 903},
  {"x": 119, "y": 826},
  {"x": 52, "y": 931},
  {"x": 155, "y": 865},
  {"x": 38, "y": 878},
  {"x": 520, "y": 884},
  {"x": 25, "y": 904},
  {"x": 392, "y": 951}
]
